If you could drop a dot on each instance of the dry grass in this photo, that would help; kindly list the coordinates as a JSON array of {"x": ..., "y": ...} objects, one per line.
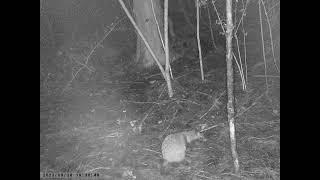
[{"x": 98, "y": 137}]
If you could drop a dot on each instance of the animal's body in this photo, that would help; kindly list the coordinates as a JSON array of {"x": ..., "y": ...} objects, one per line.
[{"x": 174, "y": 146}]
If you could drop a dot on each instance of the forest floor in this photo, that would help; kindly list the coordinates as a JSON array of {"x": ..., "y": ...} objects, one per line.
[{"x": 112, "y": 122}]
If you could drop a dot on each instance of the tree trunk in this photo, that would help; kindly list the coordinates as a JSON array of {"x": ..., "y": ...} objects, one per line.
[
  {"x": 145, "y": 20},
  {"x": 230, "y": 104}
]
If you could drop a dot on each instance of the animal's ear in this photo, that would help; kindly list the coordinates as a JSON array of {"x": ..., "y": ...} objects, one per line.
[{"x": 185, "y": 138}]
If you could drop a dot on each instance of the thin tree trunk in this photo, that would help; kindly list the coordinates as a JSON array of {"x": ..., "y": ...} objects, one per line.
[
  {"x": 211, "y": 29},
  {"x": 230, "y": 106},
  {"x": 166, "y": 41},
  {"x": 198, "y": 39}
]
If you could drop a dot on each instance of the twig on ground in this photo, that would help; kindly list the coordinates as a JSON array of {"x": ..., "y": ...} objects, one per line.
[
  {"x": 253, "y": 104},
  {"x": 215, "y": 104}
]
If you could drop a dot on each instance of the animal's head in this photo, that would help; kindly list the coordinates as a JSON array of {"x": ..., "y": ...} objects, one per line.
[{"x": 192, "y": 135}]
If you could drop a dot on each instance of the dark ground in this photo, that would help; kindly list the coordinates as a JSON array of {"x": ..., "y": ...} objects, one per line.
[{"x": 114, "y": 123}]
